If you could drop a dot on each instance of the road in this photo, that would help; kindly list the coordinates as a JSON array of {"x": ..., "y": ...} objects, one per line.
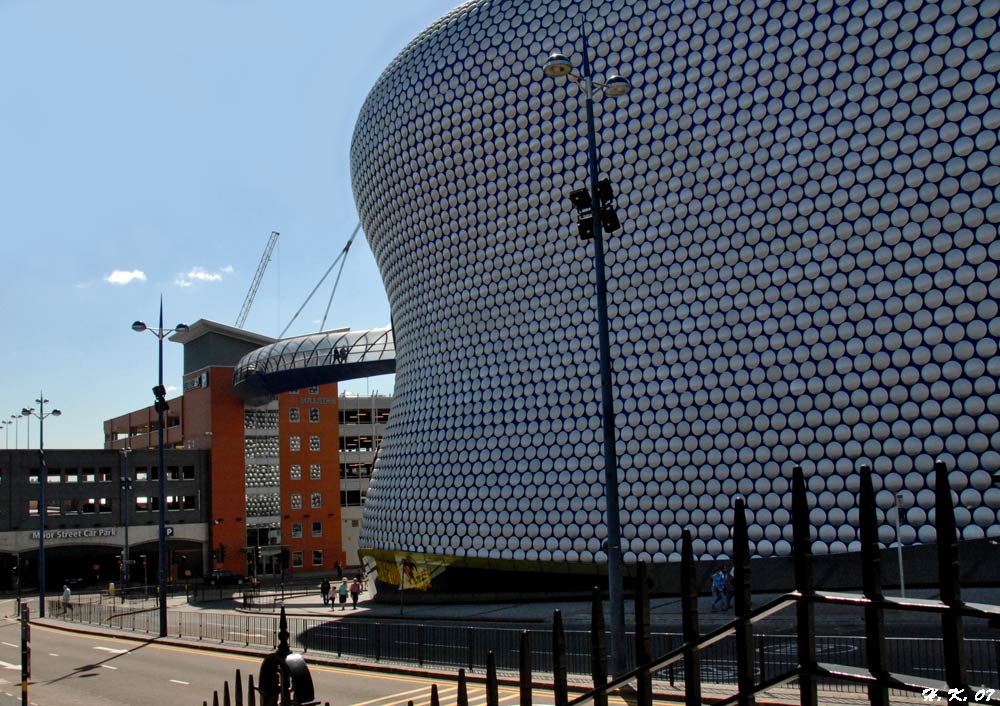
[{"x": 94, "y": 670}]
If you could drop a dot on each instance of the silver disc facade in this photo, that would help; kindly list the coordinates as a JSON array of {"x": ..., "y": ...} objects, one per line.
[{"x": 806, "y": 273}]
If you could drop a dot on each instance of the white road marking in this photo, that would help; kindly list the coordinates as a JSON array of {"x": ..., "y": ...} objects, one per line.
[
  {"x": 178, "y": 681},
  {"x": 53, "y": 654},
  {"x": 111, "y": 649},
  {"x": 8, "y": 665},
  {"x": 10, "y": 645},
  {"x": 108, "y": 666}
]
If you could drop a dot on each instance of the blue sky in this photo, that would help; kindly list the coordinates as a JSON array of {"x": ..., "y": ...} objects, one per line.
[{"x": 150, "y": 148}]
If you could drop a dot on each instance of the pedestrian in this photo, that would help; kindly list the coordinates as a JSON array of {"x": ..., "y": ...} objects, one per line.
[
  {"x": 342, "y": 591},
  {"x": 355, "y": 593},
  {"x": 66, "y": 605},
  {"x": 730, "y": 587},
  {"x": 718, "y": 589},
  {"x": 324, "y": 591}
]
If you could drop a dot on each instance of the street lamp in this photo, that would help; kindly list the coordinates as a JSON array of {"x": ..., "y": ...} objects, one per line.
[
  {"x": 598, "y": 202},
  {"x": 6, "y": 433},
  {"x": 161, "y": 406},
  {"x": 126, "y": 487},
  {"x": 897, "y": 503},
  {"x": 14, "y": 418},
  {"x": 42, "y": 481}
]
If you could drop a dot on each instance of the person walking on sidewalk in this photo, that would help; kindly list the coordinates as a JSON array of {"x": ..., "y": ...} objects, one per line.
[
  {"x": 718, "y": 590},
  {"x": 324, "y": 591},
  {"x": 342, "y": 594},
  {"x": 66, "y": 605},
  {"x": 355, "y": 593}
]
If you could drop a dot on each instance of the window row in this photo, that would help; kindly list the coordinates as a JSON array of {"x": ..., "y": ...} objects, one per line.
[
  {"x": 316, "y": 530},
  {"x": 295, "y": 415},
  {"x": 104, "y": 475},
  {"x": 94, "y": 506},
  {"x": 360, "y": 443},
  {"x": 297, "y": 558},
  {"x": 295, "y": 443},
  {"x": 364, "y": 416},
  {"x": 315, "y": 471},
  {"x": 315, "y": 500},
  {"x": 355, "y": 470}
]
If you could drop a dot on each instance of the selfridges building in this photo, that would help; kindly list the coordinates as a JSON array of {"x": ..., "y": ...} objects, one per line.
[{"x": 806, "y": 273}]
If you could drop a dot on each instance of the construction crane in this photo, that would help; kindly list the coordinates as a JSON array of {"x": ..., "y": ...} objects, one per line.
[{"x": 264, "y": 259}]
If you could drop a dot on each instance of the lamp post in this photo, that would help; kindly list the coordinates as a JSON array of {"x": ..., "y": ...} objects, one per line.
[
  {"x": 126, "y": 487},
  {"x": 42, "y": 481},
  {"x": 6, "y": 433},
  {"x": 14, "y": 418},
  {"x": 159, "y": 393},
  {"x": 898, "y": 503},
  {"x": 597, "y": 214}
]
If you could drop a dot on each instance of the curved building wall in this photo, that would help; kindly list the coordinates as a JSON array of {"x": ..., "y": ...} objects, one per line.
[{"x": 807, "y": 272}]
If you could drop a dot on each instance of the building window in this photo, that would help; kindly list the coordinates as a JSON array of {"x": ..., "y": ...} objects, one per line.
[
  {"x": 317, "y": 529},
  {"x": 296, "y": 560},
  {"x": 296, "y": 471},
  {"x": 314, "y": 414},
  {"x": 143, "y": 504},
  {"x": 296, "y": 501},
  {"x": 314, "y": 443},
  {"x": 296, "y": 530},
  {"x": 293, "y": 415},
  {"x": 189, "y": 502},
  {"x": 314, "y": 390},
  {"x": 315, "y": 471},
  {"x": 295, "y": 443},
  {"x": 72, "y": 475},
  {"x": 316, "y": 500},
  {"x": 104, "y": 475},
  {"x": 188, "y": 473},
  {"x": 54, "y": 475},
  {"x": 141, "y": 473},
  {"x": 351, "y": 498},
  {"x": 173, "y": 473},
  {"x": 317, "y": 557}
]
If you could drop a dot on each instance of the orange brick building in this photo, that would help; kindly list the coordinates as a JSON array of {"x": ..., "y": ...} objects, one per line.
[{"x": 275, "y": 491}]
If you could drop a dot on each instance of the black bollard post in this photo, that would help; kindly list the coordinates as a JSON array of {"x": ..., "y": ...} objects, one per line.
[
  {"x": 598, "y": 651},
  {"x": 492, "y": 687},
  {"x": 435, "y": 701},
  {"x": 239, "y": 688},
  {"x": 643, "y": 641},
  {"x": 744, "y": 604},
  {"x": 804, "y": 609},
  {"x": 525, "y": 670},
  {"x": 689, "y": 606},
  {"x": 251, "y": 692},
  {"x": 462, "y": 698},
  {"x": 952, "y": 627},
  {"x": 871, "y": 579},
  {"x": 560, "y": 688},
  {"x": 226, "y": 700}
]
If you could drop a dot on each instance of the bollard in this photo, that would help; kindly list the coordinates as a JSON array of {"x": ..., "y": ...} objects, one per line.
[
  {"x": 462, "y": 698},
  {"x": 559, "y": 687},
  {"x": 525, "y": 669}
]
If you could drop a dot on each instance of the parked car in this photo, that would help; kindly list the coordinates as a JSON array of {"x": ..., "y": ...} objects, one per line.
[{"x": 221, "y": 577}]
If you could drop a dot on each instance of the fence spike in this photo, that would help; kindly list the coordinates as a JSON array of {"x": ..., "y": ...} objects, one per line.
[
  {"x": 462, "y": 698},
  {"x": 251, "y": 692},
  {"x": 239, "y": 688},
  {"x": 744, "y": 604},
  {"x": 689, "y": 606},
  {"x": 560, "y": 688},
  {"x": 598, "y": 650},
  {"x": 215, "y": 698},
  {"x": 226, "y": 699},
  {"x": 525, "y": 669},
  {"x": 435, "y": 701},
  {"x": 952, "y": 627},
  {"x": 871, "y": 579},
  {"x": 804, "y": 609},
  {"x": 643, "y": 641},
  {"x": 492, "y": 688}
]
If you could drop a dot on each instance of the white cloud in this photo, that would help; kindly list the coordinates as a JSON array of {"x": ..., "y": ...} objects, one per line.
[
  {"x": 200, "y": 274},
  {"x": 229, "y": 269},
  {"x": 123, "y": 277}
]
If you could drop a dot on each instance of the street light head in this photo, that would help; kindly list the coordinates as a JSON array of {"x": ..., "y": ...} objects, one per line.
[
  {"x": 580, "y": 198},
  {"x": 25, "y": 411},
  {"x": 557, "y": 65},
  {"x": 56, "y": 412},
  {"x": 138, "y": 326},
  {"x": 617, "y": 86},
  {"x": 181, "y": 328}
]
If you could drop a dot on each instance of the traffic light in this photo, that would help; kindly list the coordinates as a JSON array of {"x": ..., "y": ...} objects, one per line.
[{"x": 159, "y": 393}]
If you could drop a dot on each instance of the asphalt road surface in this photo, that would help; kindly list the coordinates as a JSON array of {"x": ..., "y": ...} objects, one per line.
[{"x": 93, "y": 670}]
